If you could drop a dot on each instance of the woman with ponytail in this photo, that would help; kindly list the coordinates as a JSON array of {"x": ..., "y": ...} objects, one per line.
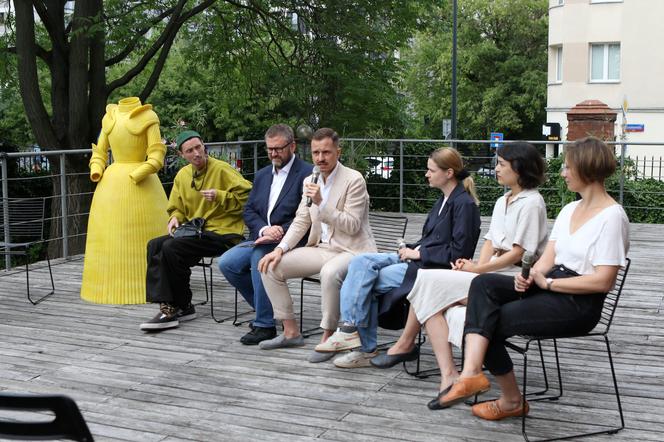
[{"x": 449, "y": 233}]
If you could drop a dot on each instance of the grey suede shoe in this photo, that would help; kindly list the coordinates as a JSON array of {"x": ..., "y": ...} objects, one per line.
[
  {"x": 319, "y": 356},
  {"x": 281, "y": 341}
]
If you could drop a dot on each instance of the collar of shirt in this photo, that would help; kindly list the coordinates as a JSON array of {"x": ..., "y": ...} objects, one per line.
[
  {"x": 443, "y": 205},
  {"x": 523, "y": 194},
  {"x": 285, "y": 169}
]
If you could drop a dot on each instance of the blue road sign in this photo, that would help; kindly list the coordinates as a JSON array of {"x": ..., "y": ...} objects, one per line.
[{"x": 496, "y": 136}]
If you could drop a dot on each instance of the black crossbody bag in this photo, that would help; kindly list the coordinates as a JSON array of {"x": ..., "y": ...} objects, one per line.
[{"x": 192, "y": 228}]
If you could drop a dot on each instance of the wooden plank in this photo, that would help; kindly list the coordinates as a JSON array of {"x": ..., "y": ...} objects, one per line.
[{"x": 198, "y": 383}]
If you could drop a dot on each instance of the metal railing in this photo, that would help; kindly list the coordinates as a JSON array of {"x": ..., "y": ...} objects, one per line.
[{"x": 394, "y": 169}]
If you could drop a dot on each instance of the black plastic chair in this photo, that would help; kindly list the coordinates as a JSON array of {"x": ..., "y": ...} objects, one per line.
[
  {"x": 67, "y": 424},
  {"x": 386, "y": 229},
  {"x": 600, "y": 330},
  {"x": 21, "y": 227}
]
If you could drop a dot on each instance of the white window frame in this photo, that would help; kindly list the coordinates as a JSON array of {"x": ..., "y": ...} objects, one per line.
[
  {"x": 558, "y": 60},
  {"x": 605, "y": 63},
  {"x": 605, "y": 1}
]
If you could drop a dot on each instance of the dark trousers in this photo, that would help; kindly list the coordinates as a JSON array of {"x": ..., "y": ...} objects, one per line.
[
  {"x": 497, "y": 311},
  {"x": 170, "y": 261}
]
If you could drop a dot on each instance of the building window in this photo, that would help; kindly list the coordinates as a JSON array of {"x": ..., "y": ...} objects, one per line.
[
  {"x": 605, "y": 62},
  {"x": 605, "y": 1},
  {"x": 558, "y": 54}
]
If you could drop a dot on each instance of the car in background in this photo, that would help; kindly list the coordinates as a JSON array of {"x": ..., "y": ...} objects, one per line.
[{"x": 381, "y": 166}]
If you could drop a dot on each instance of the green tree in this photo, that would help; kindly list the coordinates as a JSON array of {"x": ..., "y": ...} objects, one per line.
[{"x": 502, "y": 68}]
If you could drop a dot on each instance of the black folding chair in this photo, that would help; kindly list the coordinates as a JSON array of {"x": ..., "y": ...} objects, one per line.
[
  {"x": 21, "y": 227},
  {"x": 67, "y": 424},
  {"x": 600, "y": 330},
  {"x": 386, "y": 229}
]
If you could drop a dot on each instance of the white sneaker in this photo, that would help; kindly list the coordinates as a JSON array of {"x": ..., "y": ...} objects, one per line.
[
  {"x": 340, "y": 341},
  {"x": 355, "y": 359}
]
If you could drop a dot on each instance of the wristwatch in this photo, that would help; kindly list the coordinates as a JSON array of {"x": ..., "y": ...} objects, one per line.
[{"x": 549, "y": 281}]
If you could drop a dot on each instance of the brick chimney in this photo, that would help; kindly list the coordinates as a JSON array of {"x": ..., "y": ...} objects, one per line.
[{"x": 591, "y": 118}]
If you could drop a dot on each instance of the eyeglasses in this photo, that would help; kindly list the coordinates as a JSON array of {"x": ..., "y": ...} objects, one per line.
[{"x": 278, "y": 149}]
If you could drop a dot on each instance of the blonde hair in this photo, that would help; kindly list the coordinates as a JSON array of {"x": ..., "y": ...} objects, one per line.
[{"x": 450, "y": 158}]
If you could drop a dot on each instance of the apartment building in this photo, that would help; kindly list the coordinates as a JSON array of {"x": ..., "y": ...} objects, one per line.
[{"x": 609, "y": 50}]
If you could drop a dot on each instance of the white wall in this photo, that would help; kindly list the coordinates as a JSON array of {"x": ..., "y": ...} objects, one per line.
[{"x": 637, "y": 25}]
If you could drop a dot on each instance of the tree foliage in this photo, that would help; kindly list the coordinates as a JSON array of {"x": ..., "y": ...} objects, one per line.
[{"x": 502, "y": 68}]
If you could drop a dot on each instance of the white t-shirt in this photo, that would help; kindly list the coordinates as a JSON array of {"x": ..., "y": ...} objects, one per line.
[
  {"x": 523, "y": 222},
  {"x": 602, "y": 240}
]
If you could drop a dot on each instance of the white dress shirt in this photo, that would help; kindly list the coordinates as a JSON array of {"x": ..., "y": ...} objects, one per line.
[{"x": 325, "y": 193}]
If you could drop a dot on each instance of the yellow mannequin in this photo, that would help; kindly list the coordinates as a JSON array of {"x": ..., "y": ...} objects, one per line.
[{"x": 128, "y": 206}]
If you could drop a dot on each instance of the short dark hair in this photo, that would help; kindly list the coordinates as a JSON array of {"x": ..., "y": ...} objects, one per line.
[
  {"x": 592, "y": 159},
  {"x": 280, "y": 130},
  {"x": 526, "y": 161},
  {"x": 326, "y": 132}
]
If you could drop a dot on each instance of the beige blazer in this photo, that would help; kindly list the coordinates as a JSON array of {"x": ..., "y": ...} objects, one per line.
[{"x": 346, "y": 213}]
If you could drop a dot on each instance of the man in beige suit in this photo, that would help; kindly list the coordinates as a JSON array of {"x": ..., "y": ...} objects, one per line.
[{"x": 337, "y": 218}]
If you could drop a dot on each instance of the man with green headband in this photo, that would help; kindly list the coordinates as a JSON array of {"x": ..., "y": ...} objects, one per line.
[{"x": 205, "y": 188}]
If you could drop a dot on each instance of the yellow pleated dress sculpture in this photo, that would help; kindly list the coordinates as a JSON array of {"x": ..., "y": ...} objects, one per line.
[{"x": 128, "y": 207}]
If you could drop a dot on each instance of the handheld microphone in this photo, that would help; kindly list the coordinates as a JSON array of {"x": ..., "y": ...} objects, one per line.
[
  {"x": 401, "y": 244},
  {"x": 526, "y": 263},
  {"x": 314, "y": 179}
]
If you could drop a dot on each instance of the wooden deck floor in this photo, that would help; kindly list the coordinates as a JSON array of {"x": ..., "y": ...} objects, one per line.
[{"x": 199, "y": 383}]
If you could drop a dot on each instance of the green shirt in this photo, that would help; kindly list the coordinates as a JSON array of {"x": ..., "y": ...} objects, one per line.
[{"x": 224, "y": 214}]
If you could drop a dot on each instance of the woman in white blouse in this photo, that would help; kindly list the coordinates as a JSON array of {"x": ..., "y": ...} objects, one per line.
[
  {"x": 564, "y": 293},
  {"x": 518, "y": 224}
]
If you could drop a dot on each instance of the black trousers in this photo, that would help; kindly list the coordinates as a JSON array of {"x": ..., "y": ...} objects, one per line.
[
  {"x": 496, "y": 311},
  {"x": 170, "y": 261}
]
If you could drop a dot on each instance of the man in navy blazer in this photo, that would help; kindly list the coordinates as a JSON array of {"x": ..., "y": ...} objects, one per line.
[{"x": 273, "y": 201}]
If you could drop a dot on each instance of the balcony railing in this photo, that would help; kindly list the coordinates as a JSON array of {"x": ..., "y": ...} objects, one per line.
[{"x": 394, "y": 169}]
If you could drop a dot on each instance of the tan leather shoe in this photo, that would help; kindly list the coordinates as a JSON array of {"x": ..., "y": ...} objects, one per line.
[
  {"x": 464, "y": 388},
  {"x": 492, "y": 412}
]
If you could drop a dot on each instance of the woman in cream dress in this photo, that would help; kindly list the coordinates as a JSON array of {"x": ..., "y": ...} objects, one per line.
[
  {"x": 518, "y": 224},
  {"x": 128, "y": 206}
]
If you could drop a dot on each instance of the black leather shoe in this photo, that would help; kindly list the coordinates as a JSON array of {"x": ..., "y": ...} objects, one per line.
[
  {"x": 434, "y": 404},
  {"x": 386, "y": 361},
  {"x": 258, "y": 334}
]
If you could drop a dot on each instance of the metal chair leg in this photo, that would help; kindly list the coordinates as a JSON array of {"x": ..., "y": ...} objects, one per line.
[
  {"x": 27, "y": 280},
  {"x": 312, "y": 331},
  {"x": 612, "y": 430}
]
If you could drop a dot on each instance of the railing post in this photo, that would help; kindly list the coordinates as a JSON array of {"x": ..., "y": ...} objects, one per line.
[
  {"x": 400, "y": 176},
  {"x": 63, "y": 206},
  {"x": 622, "y": 173},
  {"x": 255, "y": 158},
  {"x": 5, "y": 206}
]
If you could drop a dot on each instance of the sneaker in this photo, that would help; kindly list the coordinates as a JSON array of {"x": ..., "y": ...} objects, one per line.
[
  {"x": 258, "y": 335},
  {"x": 165, "y": 319},
  {"x": 186, "y": 314},
  {"x": 340, "y": 341},
  {"x": 355, "y": 359}
]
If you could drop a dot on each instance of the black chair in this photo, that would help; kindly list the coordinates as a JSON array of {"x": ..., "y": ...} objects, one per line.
[
  {"x": 206, "y": 264},
  {"x": 67, "y": 424},
  {"x": 600, "y": 330},
  {"x": 386, "y": 229},
  {"x": 21, "y": 227}
]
